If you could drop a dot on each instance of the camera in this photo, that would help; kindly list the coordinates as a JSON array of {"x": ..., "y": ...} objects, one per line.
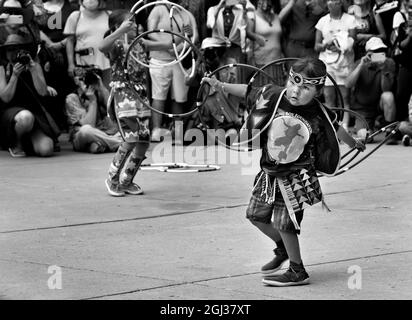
[
  {"x": 23, "y": 57},
  {"x": 88, "y": 74}
]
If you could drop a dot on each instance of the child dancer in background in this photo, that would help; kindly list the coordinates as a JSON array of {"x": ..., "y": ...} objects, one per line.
[{"x": 131, "y": 115}]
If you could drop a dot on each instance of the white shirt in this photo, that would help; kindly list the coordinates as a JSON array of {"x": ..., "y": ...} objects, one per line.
[{"x": 89, "y": 32}]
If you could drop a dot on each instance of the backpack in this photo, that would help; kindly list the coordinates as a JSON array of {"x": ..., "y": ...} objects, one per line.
[{"x": 396, "y": 37}]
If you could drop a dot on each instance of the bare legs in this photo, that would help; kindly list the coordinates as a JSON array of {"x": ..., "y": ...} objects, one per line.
[
  {"x": 330, "y": 101},
  {"x": 42, "y": 144},
  {"x": 289, "y": 239}
]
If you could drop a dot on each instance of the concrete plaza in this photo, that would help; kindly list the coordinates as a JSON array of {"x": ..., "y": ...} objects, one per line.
[{"x": 187, "y": 237}]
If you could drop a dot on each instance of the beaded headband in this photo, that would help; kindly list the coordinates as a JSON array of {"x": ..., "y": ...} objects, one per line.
[{"x": 300, "y": 80}]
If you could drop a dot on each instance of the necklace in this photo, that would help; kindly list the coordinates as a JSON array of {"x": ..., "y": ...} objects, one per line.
[{"x": 267, "y": 17}]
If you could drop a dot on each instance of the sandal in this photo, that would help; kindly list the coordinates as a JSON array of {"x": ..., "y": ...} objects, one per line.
[{"x": 17, "y": 153}]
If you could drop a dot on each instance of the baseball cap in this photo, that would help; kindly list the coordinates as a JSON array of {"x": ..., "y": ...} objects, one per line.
[
  {"x": 213, "y": 43},
  {"x": 374, "y": 43}
]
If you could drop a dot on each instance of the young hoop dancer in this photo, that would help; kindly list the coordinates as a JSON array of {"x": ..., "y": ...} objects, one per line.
[
  {"x": 298, "y": 137},
  {"x": 131, "y": 115}
]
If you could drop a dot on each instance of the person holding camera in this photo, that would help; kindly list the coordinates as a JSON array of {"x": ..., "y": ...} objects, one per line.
[
  {"x": 373, "y": 81},
  {"x": 25, "y": 125},
  {"x": 85, "y": 29},
  {"x": 90, "y": 129}
]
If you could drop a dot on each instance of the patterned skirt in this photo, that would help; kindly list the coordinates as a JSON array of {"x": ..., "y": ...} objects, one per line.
[{"x": 299, "y": 190}]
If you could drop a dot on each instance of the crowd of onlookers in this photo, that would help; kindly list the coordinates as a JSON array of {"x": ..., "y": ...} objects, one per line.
[{"x": 63, "y": 84}]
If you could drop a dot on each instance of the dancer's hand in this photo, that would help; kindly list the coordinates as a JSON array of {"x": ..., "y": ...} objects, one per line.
[
  {"x": 212, "y": 82},
  {"x": 359, "y": 145},
  {"x": 126, "y": 26}
]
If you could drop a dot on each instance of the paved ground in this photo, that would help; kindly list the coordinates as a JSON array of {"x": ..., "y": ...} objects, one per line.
[{"x": 187, "y": 237}]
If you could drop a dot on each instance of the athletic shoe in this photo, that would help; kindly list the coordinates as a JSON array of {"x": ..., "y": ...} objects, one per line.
[
  {"x": 277, "y": 262},
  {"x": 96, "y": 148},
  {"x": 289, "y": 278},
  {"x": 114, "y": 189},
  {"x": 131, "y": 188},
  {"x": 406, "y": 140},
  {"x": 17, "y": 153}
]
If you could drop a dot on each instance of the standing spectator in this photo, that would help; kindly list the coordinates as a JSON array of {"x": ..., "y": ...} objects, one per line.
[
  {"x": 168, "y": 77},
  {"x": 53, "y": 56},
  {"x": 228, "y": 20},
  {"x": 25, "y": 126},
  {"x": 385, "y": 10},
  {"x": 198, "y": 8},
  {"x": 299, "y": 28},
  {"x": 373, "y": 81},
  {"x": 266, "y": 31},
  {"x": 335, "y": 37},
  {"x": 368, "y": 25},
  {"x": 85, "y": 29},
  {"x": 402, "y": 25}
]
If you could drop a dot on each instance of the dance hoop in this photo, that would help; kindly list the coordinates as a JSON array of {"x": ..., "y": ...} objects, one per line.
[
  {"x": 392, "y": 127},
  {"x": 135, "y": 12},
  {"x": 205, "y": 85},
  {"x": 136, "y": 42},
  {"x": 180, "y": 56},
  {"x": 179, "y": 167}
]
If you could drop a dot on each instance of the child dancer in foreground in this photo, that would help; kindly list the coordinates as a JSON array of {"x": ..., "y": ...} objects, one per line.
[{"x": 298, "y": 137}]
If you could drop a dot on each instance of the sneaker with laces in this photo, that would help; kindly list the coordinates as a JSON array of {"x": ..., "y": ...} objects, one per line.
[
  {"x": 289, "y": 278},
  {"x": 131, "y": 188},
  {"x": 276, "y": 263},
  {"x": 406, "y": 140},
  {"x": 114, "y": 189}
]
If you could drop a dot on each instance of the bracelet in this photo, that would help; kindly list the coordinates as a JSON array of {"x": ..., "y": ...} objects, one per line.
[{"x": 222, "y": 86}]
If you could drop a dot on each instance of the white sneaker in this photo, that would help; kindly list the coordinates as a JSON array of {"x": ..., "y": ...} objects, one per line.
[
  {"x": 406, "y": 140},
  {"x": 131, "y": 188}
]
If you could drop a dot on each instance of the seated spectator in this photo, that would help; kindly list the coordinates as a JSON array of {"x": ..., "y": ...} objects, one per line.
[
  {"x": 90, "y": 128},
  {"x": 368, "y": 25},
  {"x": 373, "y": 81},
  {"x": 26, "y": 128},
  {"x": 335, "y": 36},
  {"x": 299, "y": 28}
]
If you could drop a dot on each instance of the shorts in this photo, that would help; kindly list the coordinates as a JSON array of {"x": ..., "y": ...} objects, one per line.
[
  {"x": 338, "y": 74},
  {"x": 7, "y": 123},
  {"x": 261, "y": 211},
  {"x": 168, "y": 77},
  {"x": 370, "y": 117}
]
